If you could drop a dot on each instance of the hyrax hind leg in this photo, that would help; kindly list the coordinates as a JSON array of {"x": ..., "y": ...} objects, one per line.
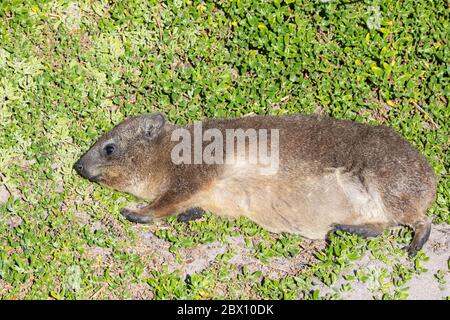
[
  {"x": 366, "y": 230},
  {"x": 413, "y": 215},
  {"x": 422, "y": 229}
]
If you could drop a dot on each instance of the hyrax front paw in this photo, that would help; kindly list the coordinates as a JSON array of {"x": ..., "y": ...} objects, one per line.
[
  {"x": 191, "y": 214},
  {"x": 136, "y": 216}
]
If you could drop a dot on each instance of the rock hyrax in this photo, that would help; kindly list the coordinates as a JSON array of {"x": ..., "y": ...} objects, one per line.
[{"x": 331, "y": 175}]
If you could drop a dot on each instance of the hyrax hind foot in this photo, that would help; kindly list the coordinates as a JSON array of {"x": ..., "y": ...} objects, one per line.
[
  {"x": 191, "y": 214},
  {"x": 141, "y": 214},
  {"x": 422, "y": 230},
  {"x": 365, "y": 230}
]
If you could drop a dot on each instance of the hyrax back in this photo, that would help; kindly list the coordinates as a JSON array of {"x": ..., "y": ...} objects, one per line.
[{"x": 330, "y": 175}]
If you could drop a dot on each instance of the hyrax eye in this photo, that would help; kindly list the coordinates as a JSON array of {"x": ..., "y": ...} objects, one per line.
[
  {"x": 110, "y": 149},
  {"x": 149, "y": 131}
]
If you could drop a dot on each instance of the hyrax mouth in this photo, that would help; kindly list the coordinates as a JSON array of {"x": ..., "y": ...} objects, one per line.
[{"x": 96, "y": 178}]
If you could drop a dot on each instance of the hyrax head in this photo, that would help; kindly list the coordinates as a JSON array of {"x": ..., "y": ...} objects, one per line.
[{"x": 119, "y": 157}]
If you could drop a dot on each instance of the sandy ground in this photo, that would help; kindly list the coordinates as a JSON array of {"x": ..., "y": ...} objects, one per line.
[
  {"x": 423, "y": 286},
  {"x": 437, "y": 248},
  {"x": 195, "y": 259}
]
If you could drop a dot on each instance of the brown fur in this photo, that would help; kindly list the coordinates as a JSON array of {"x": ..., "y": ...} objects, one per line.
[{"x": 332, "y": 175}]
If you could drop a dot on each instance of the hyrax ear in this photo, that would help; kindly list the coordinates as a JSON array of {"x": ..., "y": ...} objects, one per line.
[{"x": 153, "y": 125}]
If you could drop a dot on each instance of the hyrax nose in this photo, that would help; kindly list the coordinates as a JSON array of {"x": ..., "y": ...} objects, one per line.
[{"x": 79, "y": 167}]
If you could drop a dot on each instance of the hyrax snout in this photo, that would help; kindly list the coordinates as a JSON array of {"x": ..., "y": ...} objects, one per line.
[{"x": 299, "y": 174}]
